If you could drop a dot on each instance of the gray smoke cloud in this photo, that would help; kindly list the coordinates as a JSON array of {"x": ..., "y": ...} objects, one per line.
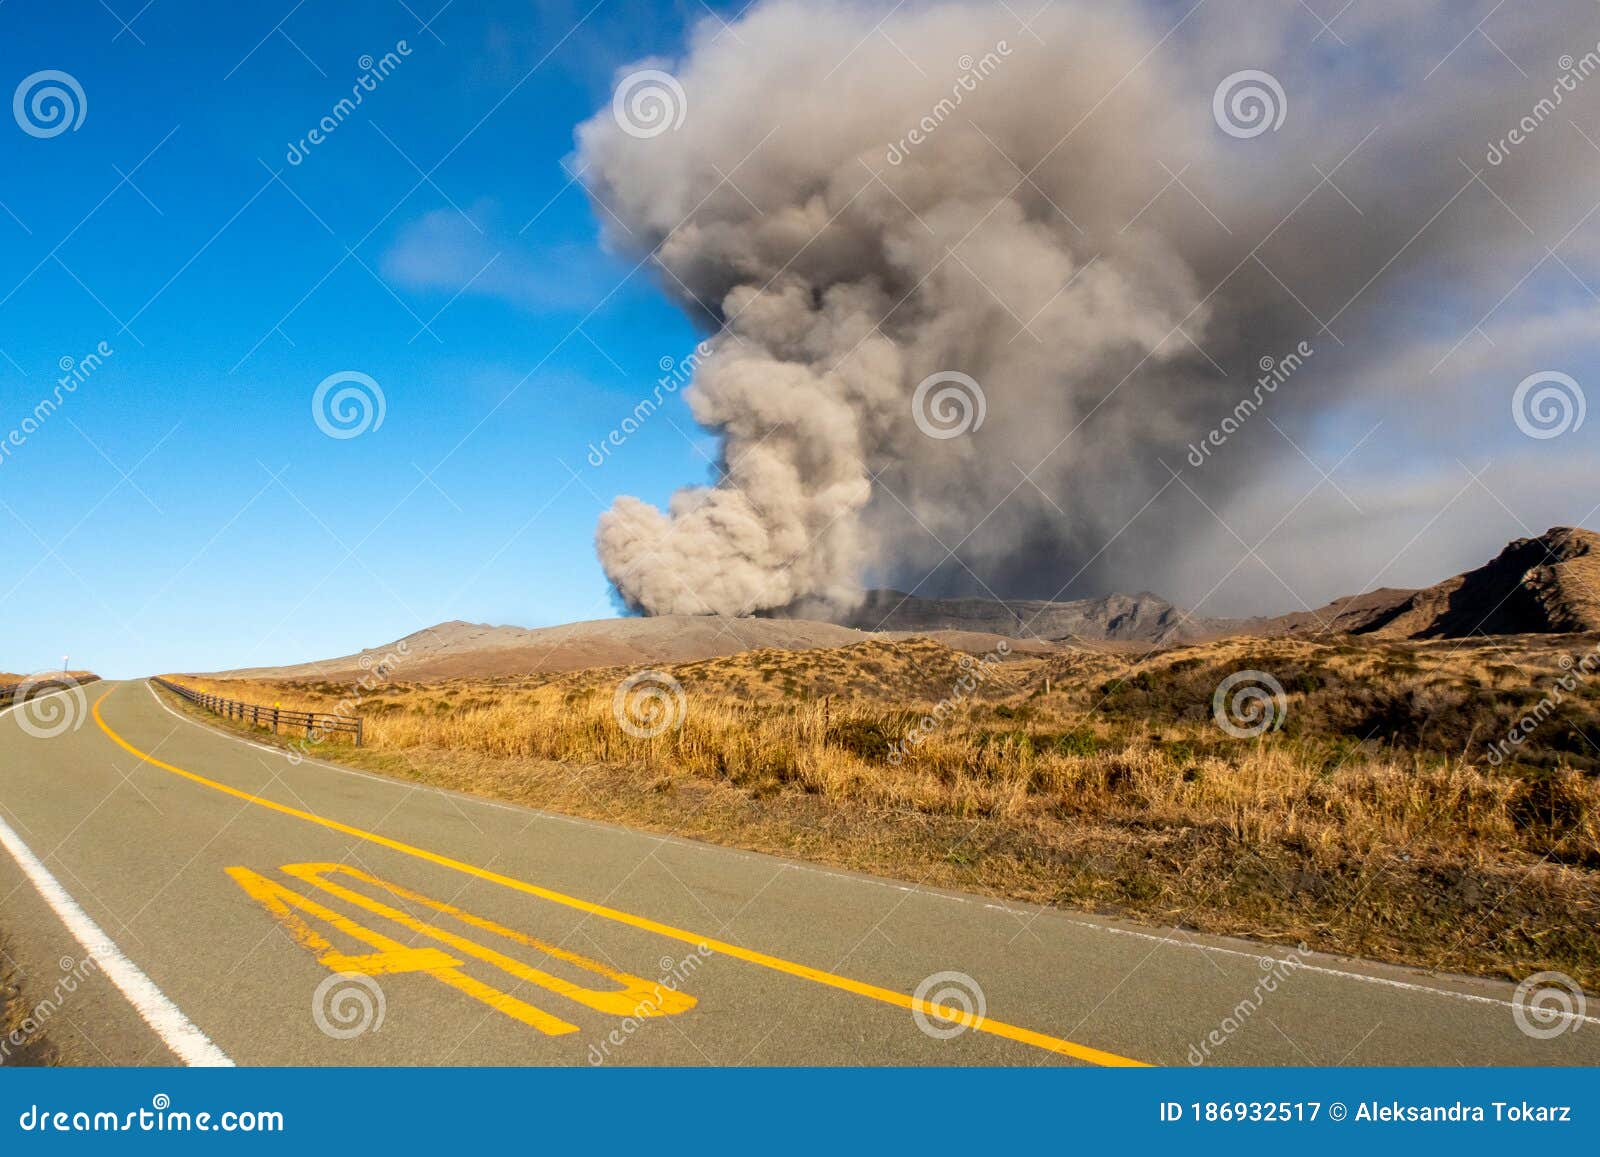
[{"x": 852, "y": 198}]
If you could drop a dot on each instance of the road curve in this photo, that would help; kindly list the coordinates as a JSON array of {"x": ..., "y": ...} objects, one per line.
[{"x": 255, "y": 911}]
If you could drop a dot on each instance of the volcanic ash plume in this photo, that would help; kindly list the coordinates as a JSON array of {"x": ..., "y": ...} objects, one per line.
[{"x": 1039, "y": 220}]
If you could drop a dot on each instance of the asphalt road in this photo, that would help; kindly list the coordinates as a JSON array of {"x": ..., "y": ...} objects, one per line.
[{"x": 243, "y": 909}]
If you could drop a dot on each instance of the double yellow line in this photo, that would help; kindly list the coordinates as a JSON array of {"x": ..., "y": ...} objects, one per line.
[{"x": 947, "y": 1013}]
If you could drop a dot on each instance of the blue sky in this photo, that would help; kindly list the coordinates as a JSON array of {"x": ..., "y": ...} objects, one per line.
[{"x": 181, "y": 510}]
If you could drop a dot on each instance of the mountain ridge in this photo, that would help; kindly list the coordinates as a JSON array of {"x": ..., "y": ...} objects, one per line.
[
  {"x": 1144, "y": 617},
  {"x": 1549, "y": 584}
]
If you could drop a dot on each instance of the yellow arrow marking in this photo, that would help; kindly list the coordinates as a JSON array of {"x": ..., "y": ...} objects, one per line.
[
  {"x": 392, "y": 956},
  {"x": 637, "y": 996}
]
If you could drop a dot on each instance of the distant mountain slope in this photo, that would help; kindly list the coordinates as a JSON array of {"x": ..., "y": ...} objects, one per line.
[
  {"x": 1544, "y": 585},
  {"x": 457, "y": 648},
  {"x": 1539, "y": 586},
  {"x": 1346, "y": 615},
  {"x": 1142, "y": 618}
]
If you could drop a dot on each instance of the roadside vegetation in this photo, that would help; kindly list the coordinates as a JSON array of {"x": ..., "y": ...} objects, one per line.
[
  {"x": 8, "y": 679},
  {"x": 1371, "y": 820},
  {"x": 42, "y": 684}
]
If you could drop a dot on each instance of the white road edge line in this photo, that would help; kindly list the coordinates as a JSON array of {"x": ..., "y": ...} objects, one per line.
[
  {"x": 176, "y": 1031},
  {"x": 1151, "y": 937},
  {"x": 166, "y": 1019}
]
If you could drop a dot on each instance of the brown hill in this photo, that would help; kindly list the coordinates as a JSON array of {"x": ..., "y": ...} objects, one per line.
[
  {"x": 1347, "y": 615},
  {"x": 1535, "y": 586},
  {"x": 1544, "y": 585},
  {"x": 457, "y": 649}
]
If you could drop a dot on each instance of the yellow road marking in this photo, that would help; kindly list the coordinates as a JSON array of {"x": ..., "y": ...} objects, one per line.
[
  {"x": 391, "y": 957},
  {"x": 636, "y": 997},
  {"x": 950, "y": 1013}
]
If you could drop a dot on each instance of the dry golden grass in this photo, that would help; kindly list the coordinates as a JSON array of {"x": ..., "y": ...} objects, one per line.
[
  {"x": 8, "y": 679},
  {"x": 1371, "y": 823},
  {"x": 34, "y": 685}
]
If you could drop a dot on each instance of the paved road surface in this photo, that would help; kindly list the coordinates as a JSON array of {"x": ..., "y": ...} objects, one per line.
[{"x": 248, "y": 910}]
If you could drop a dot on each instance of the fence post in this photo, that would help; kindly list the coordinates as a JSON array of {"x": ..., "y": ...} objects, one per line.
[{"x": 259, "y": 715}]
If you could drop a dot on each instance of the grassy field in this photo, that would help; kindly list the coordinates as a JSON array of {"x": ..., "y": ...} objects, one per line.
[
  {"x": 1383, "y": 813},
  {"x": 42, "y": 683},
  {"x": 7, "y": 679}
]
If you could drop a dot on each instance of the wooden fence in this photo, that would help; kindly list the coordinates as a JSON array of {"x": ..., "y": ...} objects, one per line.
[{"x": 313, "y": 724}]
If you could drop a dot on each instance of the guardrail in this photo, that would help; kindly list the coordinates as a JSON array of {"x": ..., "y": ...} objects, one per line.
[
  {"x": 41, "y": 684},
  {"x": 313, "y": 723}
]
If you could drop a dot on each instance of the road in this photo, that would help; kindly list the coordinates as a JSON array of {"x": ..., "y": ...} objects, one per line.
[{"x": 246, "y": 909}]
